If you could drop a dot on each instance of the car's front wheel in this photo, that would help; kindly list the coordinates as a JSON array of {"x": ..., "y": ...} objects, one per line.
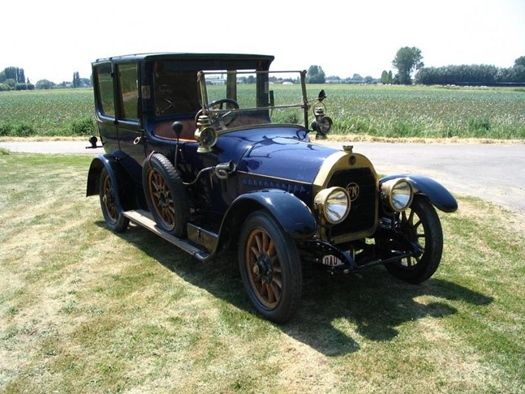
[
  {"x": 420, "y": 224},
  {"x": 270, "y": 267}
]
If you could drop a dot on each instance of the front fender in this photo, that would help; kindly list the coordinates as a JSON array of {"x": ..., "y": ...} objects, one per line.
[
  {"x": 436, "y": 193},
  {"x": 292, "y": 214}
]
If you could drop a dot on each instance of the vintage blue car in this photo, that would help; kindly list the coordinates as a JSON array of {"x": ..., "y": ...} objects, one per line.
[{"x": 215, "y": 151}]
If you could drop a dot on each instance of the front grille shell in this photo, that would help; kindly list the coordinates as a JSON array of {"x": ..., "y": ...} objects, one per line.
[{"x": 348, "y": 170}]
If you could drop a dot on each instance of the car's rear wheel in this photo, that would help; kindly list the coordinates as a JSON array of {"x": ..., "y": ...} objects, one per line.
[
  {"x": 420, "y": 224},
  {"x": 113, "y": 217},
  {"x": 165, "y": 195},
  {"x": 270, "y": 267}
]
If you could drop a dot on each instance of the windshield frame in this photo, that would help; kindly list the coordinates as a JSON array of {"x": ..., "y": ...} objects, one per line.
[{"x": 264, "y": 100}]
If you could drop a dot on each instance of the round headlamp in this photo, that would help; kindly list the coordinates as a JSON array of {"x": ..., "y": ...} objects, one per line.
[
  {"x": 397, "y": 194},
  {"x": 333, "y": 203}
]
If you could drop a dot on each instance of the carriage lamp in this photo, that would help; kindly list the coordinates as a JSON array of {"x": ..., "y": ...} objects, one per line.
[
  {"x": 397, "y": 194},
  {"x": 205, "y": 134},
  {"x": 333, "y": 203},
  {"x": 322, "y": 124}
]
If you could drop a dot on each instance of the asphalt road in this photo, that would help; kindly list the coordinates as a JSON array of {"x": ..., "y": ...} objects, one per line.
[{"x": 493, "y": 172}]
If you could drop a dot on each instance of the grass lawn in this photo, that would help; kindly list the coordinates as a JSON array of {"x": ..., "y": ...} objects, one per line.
[{"x": 85, "y": 310}]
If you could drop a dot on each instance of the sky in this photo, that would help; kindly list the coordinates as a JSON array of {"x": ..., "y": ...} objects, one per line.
[{"x": 52, "y": 39}]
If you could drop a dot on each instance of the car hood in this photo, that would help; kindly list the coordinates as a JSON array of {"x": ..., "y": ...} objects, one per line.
[{"x": 285, "y": 153}]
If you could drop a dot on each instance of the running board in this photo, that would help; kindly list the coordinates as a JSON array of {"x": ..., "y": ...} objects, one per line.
[{"x": 144, "y": 219}]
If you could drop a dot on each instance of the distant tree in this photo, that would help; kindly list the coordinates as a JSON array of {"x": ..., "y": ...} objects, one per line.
[
  {"x": 520, "y": 61},
  {"x": 407, "y": 60},
  {"x": 384, "y": 77},
  {"x": 24, "y": 86},
  {"x": 315, "y": 75},
  {"x": 357, "y": 78},
  {"x": 11, "y": 73},
  {"x": 14, "y": 73},
  {"x": 333, "y": 79},
  {"x": 10, "y": 82},
  {"x": 76, "y": 80},
  {"x": 44, "y": 84},
  {"x": 21, "y": 76},
  {"x": 519, "y": 73}
]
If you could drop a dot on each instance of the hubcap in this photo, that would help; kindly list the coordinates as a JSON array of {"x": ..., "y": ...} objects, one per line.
[{"x": 263, "y": 268}]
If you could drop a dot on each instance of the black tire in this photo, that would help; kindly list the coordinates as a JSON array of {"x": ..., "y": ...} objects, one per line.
[
  {"x": 165, "y": 195},
  {"x": 422, "y": 225},
  {"x": 270, "y": 267},
  {"x": 114, "y": 218}
]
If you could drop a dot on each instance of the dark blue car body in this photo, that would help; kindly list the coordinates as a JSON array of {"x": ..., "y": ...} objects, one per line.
[{"x": 245, "y": 171}]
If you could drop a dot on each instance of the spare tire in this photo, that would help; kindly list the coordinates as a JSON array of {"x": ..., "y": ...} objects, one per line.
[{"x": 165, "y": 195}]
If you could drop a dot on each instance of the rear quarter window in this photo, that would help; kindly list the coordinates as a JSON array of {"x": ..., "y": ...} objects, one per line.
[{"x": 104, "y": 89}]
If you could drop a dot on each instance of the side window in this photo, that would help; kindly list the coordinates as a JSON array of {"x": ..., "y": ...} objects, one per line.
[
  {"x": 104, "y": 89},
  {"x": 128, "y": 90}
]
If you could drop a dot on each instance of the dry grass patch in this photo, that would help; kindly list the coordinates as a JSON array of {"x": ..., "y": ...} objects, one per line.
[{"x": 85, "y": 310}]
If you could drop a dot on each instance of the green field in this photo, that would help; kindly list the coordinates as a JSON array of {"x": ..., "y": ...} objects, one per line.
[
  {"x": 379, "y": 111},
  {"x": 428, "y": 112},
  {"x": 59, "y": 112}
]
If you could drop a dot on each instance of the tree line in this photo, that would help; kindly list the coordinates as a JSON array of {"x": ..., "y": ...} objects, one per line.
[
  {"x": 13, "y": 78},
  {"x": 472, "y": 75},
  {"x": 409, "y": 60},
  {"x": 410, "y": 69}
]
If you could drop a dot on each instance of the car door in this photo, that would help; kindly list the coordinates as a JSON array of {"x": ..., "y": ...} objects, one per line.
[{"x": 129, "y": 131}]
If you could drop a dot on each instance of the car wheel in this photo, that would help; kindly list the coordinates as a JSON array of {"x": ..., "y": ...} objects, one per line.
[
  {"x": 270, "y": 267},
  {"x": 115, "y": 220},
  {"x": 420, "y": 223},
  {"x": 165, "y": 195}
]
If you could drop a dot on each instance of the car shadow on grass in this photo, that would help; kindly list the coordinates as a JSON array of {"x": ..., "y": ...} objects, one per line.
[
  {"x": 336, "y": 311},
  {"x": 371, "y": 304}
]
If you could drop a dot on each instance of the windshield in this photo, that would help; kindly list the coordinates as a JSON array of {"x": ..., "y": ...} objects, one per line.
[{"x": 253, "y": 97}]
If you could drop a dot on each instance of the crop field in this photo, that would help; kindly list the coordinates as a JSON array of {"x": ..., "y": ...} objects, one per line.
[
  {"x": 428, "y": 112},
  {"x": 59, "y": 112},
  {"x": 379, "y": 111}
]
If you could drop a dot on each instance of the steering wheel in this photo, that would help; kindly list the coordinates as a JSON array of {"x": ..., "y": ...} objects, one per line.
[
  {"x": 224, "y": 104},
  {"x": 167, "y": 104}
]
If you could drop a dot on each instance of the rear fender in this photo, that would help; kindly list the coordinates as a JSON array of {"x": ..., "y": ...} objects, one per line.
[
  {"x": 119, "y": 179},
  {"x": 436, "y": 193}
]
